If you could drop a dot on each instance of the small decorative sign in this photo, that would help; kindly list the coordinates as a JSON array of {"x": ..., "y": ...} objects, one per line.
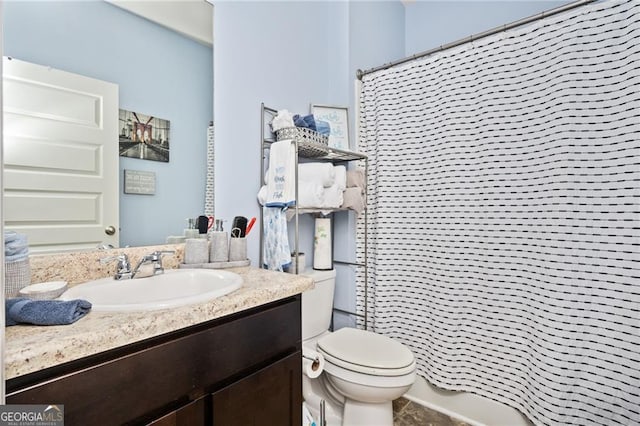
[{"x": 139, "y": 182}]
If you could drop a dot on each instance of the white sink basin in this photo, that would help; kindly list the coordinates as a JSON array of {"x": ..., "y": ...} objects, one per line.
[{"x": 176, "y": 287}]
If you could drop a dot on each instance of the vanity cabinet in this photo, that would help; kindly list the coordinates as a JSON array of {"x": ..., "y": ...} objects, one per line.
[{"x": 242, "y": 369}]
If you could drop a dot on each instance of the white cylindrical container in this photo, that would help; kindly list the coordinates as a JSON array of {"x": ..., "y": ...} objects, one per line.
[
  {"x": 322, "y": 247},
  {"x": 219, "y": 248}
]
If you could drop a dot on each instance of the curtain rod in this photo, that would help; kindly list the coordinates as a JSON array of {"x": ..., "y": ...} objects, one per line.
[{"x": 532, "y": 18}]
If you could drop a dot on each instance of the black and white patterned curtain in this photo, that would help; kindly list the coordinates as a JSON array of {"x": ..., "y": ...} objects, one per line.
[{"x": 504, "y": 214}]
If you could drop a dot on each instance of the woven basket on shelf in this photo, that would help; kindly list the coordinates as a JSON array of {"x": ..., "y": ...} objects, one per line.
[
  {"x": 16, "y": 276},
  {"x": 310, "y": 143}
]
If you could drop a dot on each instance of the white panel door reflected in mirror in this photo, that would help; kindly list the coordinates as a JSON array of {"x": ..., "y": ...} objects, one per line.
[{"x": 60, "y": 157}]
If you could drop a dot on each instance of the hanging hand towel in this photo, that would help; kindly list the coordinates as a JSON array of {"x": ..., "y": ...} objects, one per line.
[
  {"x": 276, "y": 252},
  {"x": 281, "y": 175}
]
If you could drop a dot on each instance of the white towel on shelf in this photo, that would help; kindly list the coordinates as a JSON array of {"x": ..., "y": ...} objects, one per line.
[
  {"x": 323, "y": 173},
  {"x": 333, "y": 197},
  {"x": 283, "y": 119},
  {"x": 281, "y": 175},
  {"x": 341, "y": 177},
  {"x": 310, "y": 194}
]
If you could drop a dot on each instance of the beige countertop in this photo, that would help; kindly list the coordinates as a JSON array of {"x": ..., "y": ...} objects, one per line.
[{"x": 33, "y": 348}]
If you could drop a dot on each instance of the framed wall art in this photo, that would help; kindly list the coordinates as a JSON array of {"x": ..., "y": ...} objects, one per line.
[
  {"x": 143, "y": 136},
  {"x": 338, "y": 119}
]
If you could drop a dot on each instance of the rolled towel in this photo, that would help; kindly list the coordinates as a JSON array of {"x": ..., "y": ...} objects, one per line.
[
  {"x": 283, "y": 119},
  {"x": 310, "y": 194},
  {"x": 353, "y": 198},
  {"x": 44, "y": 312},
  {"x": 307, "y": 121},
  {"x": 341, "y": 177},
  {"x": 10, "y": 236},
  {"x": 15, "y": 246},
  {"x": 317, "y": 172},
  {"x": 355, "y": 178},
  {"x": 262, "y": 195},
  {"x": 333, "y": 197}
]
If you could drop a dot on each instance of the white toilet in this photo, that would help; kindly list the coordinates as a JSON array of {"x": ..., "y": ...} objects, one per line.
[{"x": 363, "y": 372}]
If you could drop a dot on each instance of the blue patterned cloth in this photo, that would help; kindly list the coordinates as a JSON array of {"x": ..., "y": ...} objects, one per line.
[{"x": 276, "y": 252}]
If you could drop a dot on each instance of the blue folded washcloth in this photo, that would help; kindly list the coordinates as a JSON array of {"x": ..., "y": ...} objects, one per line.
[
  {"x": 323, "y": 127},
  {"x": 307, "y": 121},
  {"x": 44, "y": 312}
]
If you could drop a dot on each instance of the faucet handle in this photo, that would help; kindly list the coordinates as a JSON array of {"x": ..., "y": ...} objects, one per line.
[
  {"x": 157, "y": 255},
  {"x": 123, "y": 270},
  {"x": 156, "y": 258}
]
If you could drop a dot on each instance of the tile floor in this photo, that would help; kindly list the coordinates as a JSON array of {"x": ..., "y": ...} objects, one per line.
[{"x": 408, "y": 413}]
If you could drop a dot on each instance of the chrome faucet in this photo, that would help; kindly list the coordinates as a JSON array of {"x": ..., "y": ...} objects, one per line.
[
  {"x": 155, "y": 259},
  {"x": 123, "y": 270}
]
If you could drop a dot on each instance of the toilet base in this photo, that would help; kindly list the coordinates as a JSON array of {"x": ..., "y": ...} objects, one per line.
[
  {"x": 313, "y": 392},
  {"x": 366, "y": 414}
]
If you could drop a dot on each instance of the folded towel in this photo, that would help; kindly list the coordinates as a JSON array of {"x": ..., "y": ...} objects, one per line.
[
  {"x": 307, "y": 121},
  {"x": 341, "y": 177},
  {"x": 10, "y": 236},
  {"x": 15, "y": 246},
  {"x": 281, "y": 175},
  {"x": 282, "y": 119},
  {"x": 355, "y": 178},
  {"x": 44, "y": 312},
  {"x": 323, "y": 127},
  {"x": 276, "y": 253},
  {"x": 353, "y": 198},
  {"x": 323, "y": 173},
  {"x": 310, "y": 194}
]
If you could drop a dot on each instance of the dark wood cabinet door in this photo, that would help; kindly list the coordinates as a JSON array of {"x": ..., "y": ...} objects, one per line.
[
  {"x": 192, "y": 414},
  {"x": 270, "y": 397}
]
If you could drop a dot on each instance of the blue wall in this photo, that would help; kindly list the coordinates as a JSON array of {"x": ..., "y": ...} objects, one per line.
[
  {"x": 290, "y": 55},
  {"x": 285, "y": 54},
  {"x": 159, "y": 72},
  {"x": 429, "y": 24}
]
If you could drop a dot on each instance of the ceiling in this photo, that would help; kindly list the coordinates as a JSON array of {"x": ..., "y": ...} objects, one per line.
[{"x": 191, "y": 18}]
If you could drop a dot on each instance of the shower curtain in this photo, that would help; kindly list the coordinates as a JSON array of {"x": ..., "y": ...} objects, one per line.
[{"x": 504, "y": 214}]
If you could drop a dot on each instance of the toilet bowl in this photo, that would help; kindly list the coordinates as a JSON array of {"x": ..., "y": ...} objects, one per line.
[{"x": 363, "y": 371}]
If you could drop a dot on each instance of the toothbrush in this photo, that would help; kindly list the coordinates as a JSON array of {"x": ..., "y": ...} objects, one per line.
[{"x": 250, "y": 225}]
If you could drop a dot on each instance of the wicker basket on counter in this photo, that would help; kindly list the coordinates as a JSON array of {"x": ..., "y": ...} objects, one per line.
[
  {"x": 17, "y": 275},
  {"x": 310, "y": 142}
]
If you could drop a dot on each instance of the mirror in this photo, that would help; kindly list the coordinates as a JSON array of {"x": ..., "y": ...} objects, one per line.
[{"x": 159, "y": 72}]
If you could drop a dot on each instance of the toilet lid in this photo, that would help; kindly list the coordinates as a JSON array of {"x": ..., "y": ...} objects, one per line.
[{"x": 366, "y": 352}]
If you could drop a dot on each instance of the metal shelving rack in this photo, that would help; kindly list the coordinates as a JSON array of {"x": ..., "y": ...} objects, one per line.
[{"x": 333, "y": 155}]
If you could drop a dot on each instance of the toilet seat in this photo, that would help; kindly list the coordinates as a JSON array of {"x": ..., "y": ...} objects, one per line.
[{"x": 367, "y": 353}]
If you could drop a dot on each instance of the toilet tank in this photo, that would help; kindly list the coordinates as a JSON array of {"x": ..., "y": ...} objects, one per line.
[{"x": 317, "y": 303}]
